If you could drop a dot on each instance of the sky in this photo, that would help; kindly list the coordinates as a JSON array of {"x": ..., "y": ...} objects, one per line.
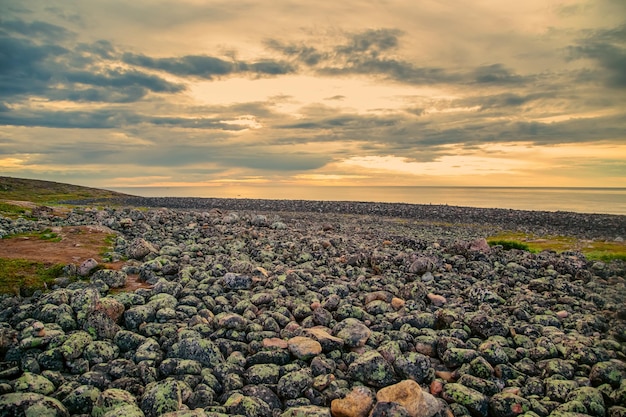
[{"x": 112, "y": 93}]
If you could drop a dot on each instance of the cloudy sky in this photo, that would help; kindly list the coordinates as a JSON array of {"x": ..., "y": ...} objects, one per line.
[{"x": 114, "y": 93}]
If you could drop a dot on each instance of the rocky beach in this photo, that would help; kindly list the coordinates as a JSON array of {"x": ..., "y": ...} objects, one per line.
[{"x": 310, "y": 308}]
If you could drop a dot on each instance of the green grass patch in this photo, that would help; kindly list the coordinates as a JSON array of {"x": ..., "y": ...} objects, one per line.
[
  {"x": 21, "y": 276},
  {"x": 509, "y": 244},
  {"x": 45, "y": 234},
  {"x": 600, "y": 250},
  {"x": 11, "y": 210}
]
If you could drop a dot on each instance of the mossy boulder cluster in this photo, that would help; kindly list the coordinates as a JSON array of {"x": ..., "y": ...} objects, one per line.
[{"x": 258, "y": 313}]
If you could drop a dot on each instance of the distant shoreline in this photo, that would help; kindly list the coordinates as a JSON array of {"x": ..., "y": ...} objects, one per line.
[
  {"x": 575, "y": 199},
  {"x": 584, "y": 225}
]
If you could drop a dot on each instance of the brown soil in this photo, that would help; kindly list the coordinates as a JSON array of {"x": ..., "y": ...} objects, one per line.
[{"x": 78, "y": 243}]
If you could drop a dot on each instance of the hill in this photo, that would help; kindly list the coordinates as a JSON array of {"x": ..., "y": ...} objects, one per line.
[{"x": 48, "y": 192}]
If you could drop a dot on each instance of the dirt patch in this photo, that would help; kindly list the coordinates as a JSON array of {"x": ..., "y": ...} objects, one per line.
[{"x": 77, "y": 244}]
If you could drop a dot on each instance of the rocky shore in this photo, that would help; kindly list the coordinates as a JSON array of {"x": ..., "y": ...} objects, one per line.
[{"x": 278, "y": 308}]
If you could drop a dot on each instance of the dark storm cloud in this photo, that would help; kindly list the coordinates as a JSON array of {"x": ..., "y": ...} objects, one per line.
[
  {"x": 108, "y": 119},
  {"x": 206, "y": 66},
  {"x": 371, "y": 42},
  {"x": 36, "y": 29},
  {"x": 56, "y": 71},
  {"x": 392, "y": 69},
  {"x": 268, "y": 67},
  {"x": 343, "y": 122},
  {"x": 100, "y": 119},
  {"x": 101, "y": 48},
  {"x": 403, "y": 134},
  {"x": 22, "y": 65},
  {"x": 608, "y": 49},
  {"x": 369, "y": 53},
  {"x": 126, "y": 95},
  {"x": 497, "y": 74},
  {"x": 122, "y": 79},
  {"x": 197, "y": 65},
  {"x": 302, "y": 53},
  {"x": 503, "y": 100}
]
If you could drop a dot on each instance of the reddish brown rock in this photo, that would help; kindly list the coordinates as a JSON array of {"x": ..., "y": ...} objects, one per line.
[
  {"x": 409, "y": 395},
  {"x": 322, "y": 335},
  {"x": 357, "y": 403},
  {"x": 437, "y": 300},
  {"x": 275, "y": 342},
  {"x": 111, "y": 307},
  {"x": 397, "y": 303},
  {"x": 436, "y": 387},
  {"x": 304, "y": 348}
]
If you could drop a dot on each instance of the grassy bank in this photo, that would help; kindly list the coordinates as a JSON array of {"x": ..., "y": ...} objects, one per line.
[
  {"x": 600, "y": 250},
  {"x": 48, "y": 192}
]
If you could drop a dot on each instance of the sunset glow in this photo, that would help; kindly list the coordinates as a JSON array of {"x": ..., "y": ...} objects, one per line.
[{"x": 206, "y": 93}]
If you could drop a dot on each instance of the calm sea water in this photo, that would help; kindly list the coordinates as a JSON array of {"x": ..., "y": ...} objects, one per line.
[{"x": 582, "y": 200}]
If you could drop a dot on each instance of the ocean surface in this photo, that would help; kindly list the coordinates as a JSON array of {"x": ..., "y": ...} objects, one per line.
[{"x": 581, "y": 200}]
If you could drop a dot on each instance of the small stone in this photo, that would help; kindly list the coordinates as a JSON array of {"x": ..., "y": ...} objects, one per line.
[
  {"x": 436, "y": 387},
  {"x": 293, "y": 384},
  {"x": 473, "y": 400},
  {"x": 247, "y": 406},
  {"x": 558, "y": 389},
  {"x": 30, "y": 382},
  {"x": 304, "y": 348},
  {"x": 408, "y": 394},
  {"x": 328, "y": 342},
  {"x": 275, "y": 342},
  {"x": 413, "y": 366},
  {"x": 111, "y": 307},
  {"x": 201, "y": 350},
  {"x": 87, "y": 266},
  {"x": 480, "y": 245},
  {"x": 116, "y": 402},
  {"x": 139, "y": 248},
  {"x": 234, "y": 281},
  {"x": 397, "y": 303},
  {"x": 263, "y": 374},
  {"x": 508, "y": 405},
  {"x": 591, "y": 398},
  {"x": 81, "y": 399},
  {"x": 437, "y": 300},
  {"x": 357, "y": 403},
  {"x": 609, "y": 372},
  {"x": 164, "y": 396},
  {"x": 31, "y": 404},
  {"x": 114, "y": 279},
  {"x": 353, "y": 332},
  {"x": 372, "y": 369}
]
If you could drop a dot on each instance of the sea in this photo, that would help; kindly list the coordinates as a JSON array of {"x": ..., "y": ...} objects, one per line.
[{"x": 581, "y": 200}]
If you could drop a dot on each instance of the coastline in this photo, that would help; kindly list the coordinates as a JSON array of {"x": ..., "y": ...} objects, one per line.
[{"x": 584, "y": 225}]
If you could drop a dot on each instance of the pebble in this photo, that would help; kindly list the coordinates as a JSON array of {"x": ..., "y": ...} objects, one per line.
[
  {"x": 304, "y": 348},
  {"x": 357, "y": 403}
]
